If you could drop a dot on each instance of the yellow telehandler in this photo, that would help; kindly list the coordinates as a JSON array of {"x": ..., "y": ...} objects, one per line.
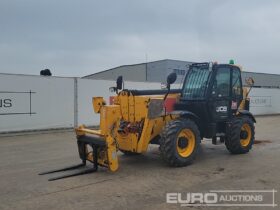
[{"x": 211, "y": 104}]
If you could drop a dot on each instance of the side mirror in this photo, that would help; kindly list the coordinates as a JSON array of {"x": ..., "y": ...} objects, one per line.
[
  {"x": 119, "y": 82},
  {"x": 249, "y": 81},
  {"x": 171, "y": 78}
]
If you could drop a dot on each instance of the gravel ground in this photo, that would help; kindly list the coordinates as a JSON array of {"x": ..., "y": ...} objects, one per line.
[{"x": 141, "y": 182}]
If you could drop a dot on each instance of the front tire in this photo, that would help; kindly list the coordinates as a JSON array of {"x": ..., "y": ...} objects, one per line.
[
  {"x": 241, "y": 135},
  {"x": 179, "y": 142}
]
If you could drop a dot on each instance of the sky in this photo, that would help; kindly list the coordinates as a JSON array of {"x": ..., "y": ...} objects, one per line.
[{"x": 77, "y": 38}]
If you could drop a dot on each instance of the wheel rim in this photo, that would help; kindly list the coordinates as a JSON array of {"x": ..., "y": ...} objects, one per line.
[
  {"x": 187, "y": 149},
  {"x": 246, "y": 141}
]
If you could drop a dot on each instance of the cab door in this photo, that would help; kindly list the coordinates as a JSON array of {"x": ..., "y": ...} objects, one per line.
[
  {"x": 220, "y": 94},
  {"x": 237, "y": 91}
]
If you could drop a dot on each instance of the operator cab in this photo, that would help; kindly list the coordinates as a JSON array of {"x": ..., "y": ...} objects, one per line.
[{"x": 213, "y": 92}]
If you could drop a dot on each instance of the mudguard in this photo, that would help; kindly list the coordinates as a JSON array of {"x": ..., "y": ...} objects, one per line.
[
  {"x": 247, "y": 113},
  {"x": 187, "y": 114}
]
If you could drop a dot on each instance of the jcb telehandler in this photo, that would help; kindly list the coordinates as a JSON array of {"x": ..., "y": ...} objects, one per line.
[{"x": 211, "y": 104}]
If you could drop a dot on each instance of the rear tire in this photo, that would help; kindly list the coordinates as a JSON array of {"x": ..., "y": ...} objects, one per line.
[
  {"x": 179, "y": 142},
  {"x": 241, "y": 135}
]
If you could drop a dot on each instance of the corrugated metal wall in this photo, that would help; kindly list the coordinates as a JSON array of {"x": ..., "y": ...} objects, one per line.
[
  {"x": 263, "y": 79},
  {"x": 129, "y": 72},
  {"x": 157, "y": 71}
]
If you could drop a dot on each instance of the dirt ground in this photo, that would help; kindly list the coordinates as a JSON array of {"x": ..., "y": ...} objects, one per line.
[{"x": 141, "y": 181}]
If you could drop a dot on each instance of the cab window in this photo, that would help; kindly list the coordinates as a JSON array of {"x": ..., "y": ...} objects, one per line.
[
  {"x": 221, "y": 86},
  {"x": 236, "y": 83}
]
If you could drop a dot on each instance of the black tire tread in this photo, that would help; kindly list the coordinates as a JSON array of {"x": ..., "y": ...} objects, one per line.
[
  {"x": 232, "y": 141},
  {"x": 169, "y": 134}
]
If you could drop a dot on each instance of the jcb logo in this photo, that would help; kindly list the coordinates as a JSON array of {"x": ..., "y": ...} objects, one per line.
[{"x": 221, "y": 109}]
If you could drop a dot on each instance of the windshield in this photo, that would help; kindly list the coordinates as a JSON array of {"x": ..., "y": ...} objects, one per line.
[{"x": 196, "y": 82}]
